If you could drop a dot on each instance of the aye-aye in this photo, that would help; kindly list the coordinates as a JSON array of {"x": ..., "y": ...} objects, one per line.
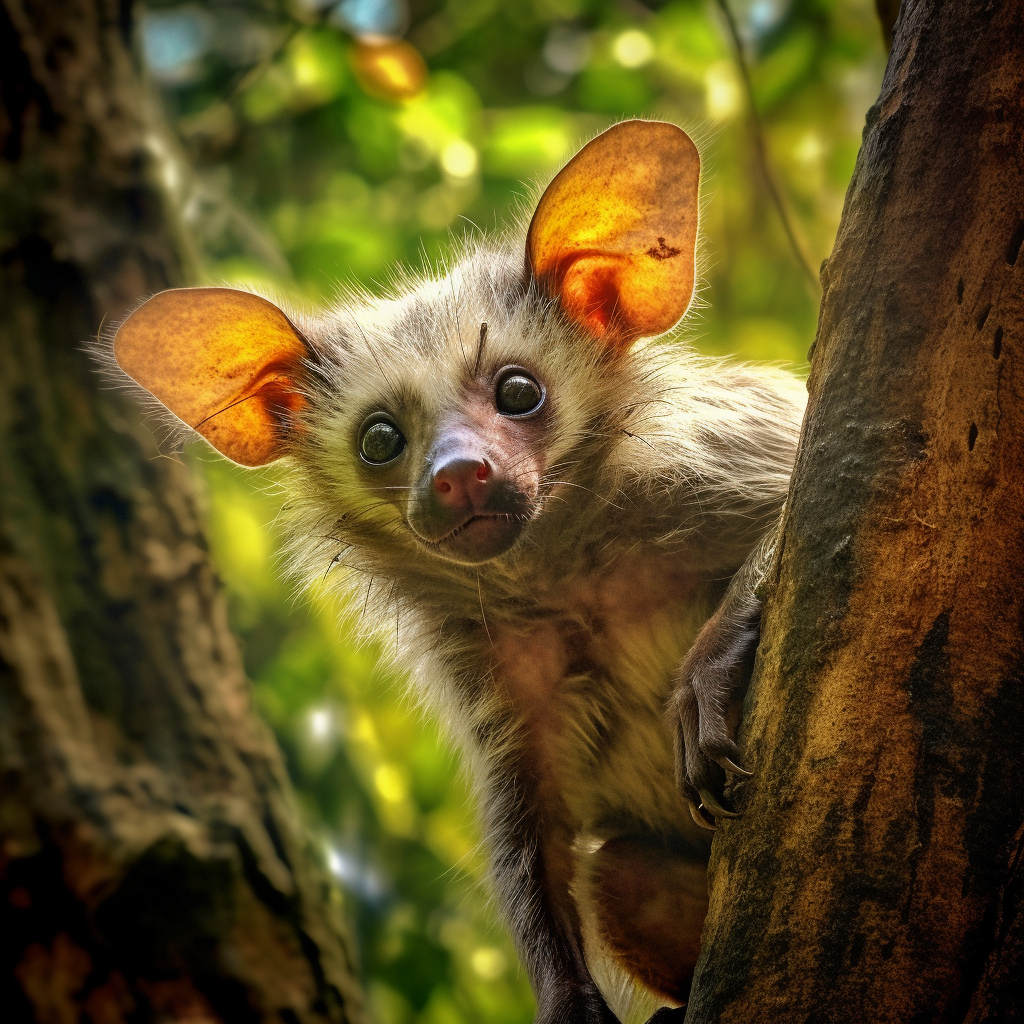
[{"x": 557, "y": 522}]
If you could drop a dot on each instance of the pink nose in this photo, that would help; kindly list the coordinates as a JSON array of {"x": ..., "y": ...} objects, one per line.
[{"x": 461, "y": 482}]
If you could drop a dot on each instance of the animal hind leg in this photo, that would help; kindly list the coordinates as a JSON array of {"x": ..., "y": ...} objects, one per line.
[{"x": 650, "y": 897}]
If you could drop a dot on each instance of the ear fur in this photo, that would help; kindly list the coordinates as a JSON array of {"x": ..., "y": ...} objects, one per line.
[
  {"x": 614, "y": 236},
  {"x": 226, "y": 362}
]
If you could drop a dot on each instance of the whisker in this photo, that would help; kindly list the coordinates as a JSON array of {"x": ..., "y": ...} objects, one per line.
[
  {"x": 637, "y": 437},
  {"x": 366, "y": 600},
  {"x": 480, "y": 347},
  {"x": 483, "y": 614},
  {"x": 569, "y": 483},
  {"x": 369, "y": 348}
]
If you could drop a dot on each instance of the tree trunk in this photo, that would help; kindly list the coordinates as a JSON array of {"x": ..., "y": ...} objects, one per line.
[
  {"x": 152, "y": 866},
  {"x": 875, "y": 874}
]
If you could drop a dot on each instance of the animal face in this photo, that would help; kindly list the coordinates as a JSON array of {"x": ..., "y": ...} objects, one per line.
[
  {"x": 432, "y": 421},
  {"x": 459, "y": 451},
  {"x": 478, "y": 477},
  {"x": 445, "y": 418}
]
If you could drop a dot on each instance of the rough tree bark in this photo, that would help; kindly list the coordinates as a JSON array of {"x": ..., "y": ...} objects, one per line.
[
  {"x": 151, "y": 863},
  {"x": 875, "y": 874}
]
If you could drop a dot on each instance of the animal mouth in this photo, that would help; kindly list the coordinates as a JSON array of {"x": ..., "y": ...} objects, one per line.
[
  {"x": 479, "y": 537},
  {"x": 480, "y": 517}
]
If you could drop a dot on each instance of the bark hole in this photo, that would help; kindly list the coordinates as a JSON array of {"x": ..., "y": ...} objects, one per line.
[
  {"x": 997, "y": 343},
  {"x": 983, "y": 316},
  {"x": 972, "y": 436},
  {"x": 960, "y": 291}
]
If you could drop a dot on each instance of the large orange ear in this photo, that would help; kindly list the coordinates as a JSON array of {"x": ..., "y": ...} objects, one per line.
[
  {"x": 615, "y": 233},
  {"x": 224, "y": 361}
]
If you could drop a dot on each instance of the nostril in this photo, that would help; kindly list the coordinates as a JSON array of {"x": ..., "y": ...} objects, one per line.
[{"x": 453, "y": 479}]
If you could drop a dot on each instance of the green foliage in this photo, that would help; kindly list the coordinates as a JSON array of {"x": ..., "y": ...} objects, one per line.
[{"x": 299, "y": 178}]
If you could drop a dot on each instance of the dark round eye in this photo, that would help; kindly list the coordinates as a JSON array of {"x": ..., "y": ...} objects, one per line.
[
  {"x": 518, "y": 395},
  {"x": 381, "y": 442}
]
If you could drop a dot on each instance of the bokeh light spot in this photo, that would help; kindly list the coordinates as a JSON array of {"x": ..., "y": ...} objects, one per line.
[
  {"x": 459, "y": 159},
  {"x": 390, "y": 783},
  {"x": 320, "y": 723},
  {"x": 723, "y": 93},
  {"x": 172, "y": 43},
  {"x": 808, "y": 149},
  {"x": 489, "y": 963},
  {"x": 373, "y": 17},
  {"x": 567, "y": 50},
  {"x": 633, "y": 49}
]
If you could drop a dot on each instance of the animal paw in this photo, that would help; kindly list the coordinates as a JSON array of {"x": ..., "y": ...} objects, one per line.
[{"x": 705, "y": 708}]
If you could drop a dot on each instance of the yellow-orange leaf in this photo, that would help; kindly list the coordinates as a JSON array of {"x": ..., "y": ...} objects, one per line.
[{"x": 391, "y": 69}]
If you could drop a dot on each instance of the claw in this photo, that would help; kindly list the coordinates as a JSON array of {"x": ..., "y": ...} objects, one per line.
[
  {"x": 708, "y": 801},
  {"x": 699, "y": 818},
  {"x": 733, "y": 768}
]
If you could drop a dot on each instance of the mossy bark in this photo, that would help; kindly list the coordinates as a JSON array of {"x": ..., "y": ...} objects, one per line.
[
  {"x": 875, "y": 874},
  {"x": 152, "y": 866}
]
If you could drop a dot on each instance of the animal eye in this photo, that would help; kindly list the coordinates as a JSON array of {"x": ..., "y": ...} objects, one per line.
[
  {"x": 381, "y": 442},
  {"x": 519, "y": 394}
]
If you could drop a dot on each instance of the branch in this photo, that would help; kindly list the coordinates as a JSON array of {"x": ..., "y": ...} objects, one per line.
[{"x": 761, "y": 150}]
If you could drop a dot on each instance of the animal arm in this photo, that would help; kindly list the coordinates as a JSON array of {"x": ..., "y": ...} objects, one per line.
[{"x": 710, "y": 683}]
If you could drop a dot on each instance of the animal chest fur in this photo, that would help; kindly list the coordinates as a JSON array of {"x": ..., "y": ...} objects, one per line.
[{"x": 589, "y": 675}]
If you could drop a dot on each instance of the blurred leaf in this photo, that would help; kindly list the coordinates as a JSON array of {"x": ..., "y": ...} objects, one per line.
[
  {"x": 373, "y": 129},
  {"x": 785, "y": 68},
  {"x": 316, "y": 65},
  {"x": 528, "y": 141},
  {"x": 688, "y": 42},
  {"x": 614, "y": 90},
  {"x": 389, "y": 69}
]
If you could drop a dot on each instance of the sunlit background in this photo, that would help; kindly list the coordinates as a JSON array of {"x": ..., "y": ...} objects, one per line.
[{"x": 319, "y": 142}]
